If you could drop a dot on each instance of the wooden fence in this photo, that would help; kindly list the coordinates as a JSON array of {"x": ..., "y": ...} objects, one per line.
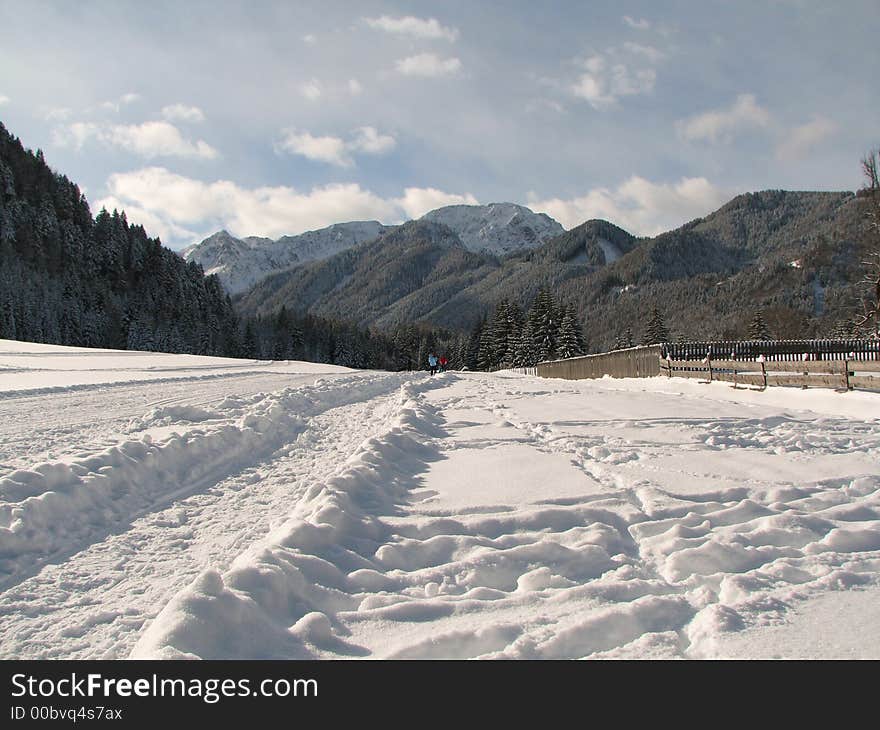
[
  {"x": 776, "y": 350},
  {"x": 634, "y": 362},
  {"x": 842, "y": 374},
  {"x": 843, "y": 364}
]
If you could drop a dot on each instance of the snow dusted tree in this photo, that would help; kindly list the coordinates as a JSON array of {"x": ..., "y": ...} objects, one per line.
[
  {"x": 624, "y": 339},
  {"x": 486, "y": 356},
  {"x": 526, "y": 354},
  {"x": 499, "y": 331},
  {"x": 758, "y": 327},
  {"x": 570, "y": 343},
  {"x": 655, "y": 332},
  {"x": 544, "y": 320},
  {"x": 515, "y": 323},
  {"x": 472, "y": 358}
]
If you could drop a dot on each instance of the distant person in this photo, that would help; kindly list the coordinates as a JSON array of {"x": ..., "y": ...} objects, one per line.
[
  {"x": 432, "y": 363},
  {"x": 443, "y": 363}
]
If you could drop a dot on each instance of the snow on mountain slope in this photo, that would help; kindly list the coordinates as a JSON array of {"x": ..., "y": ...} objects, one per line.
[
  {"x": 497, "y": 228},
  {"x": 241, "y": 263},
  {"x": 484, "y": 515},
  {"x": 609, "y": 250}
]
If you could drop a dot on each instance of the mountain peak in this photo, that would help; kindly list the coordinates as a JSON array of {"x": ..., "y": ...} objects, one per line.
[{"x": 496, "y": 228}]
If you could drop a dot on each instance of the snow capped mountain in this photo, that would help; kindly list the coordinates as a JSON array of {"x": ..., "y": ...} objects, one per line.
[
  {"x": 242, "y": 262},
  {"x": 497, "y": 228}
]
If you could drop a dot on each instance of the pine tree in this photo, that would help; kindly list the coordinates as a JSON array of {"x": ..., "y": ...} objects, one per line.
[
  {"x": 486, "y": 355},
  {"x": 656, "y": 332},
  {"x": 758, "y": 328},
  {"x": 526, "y": 352},
  {"x": 250, "y": 345},
  {"x": 544, "y": 321},
  {"x": 515, "y": 322},
  {"x": 569, "y": 344},
  {"x": 473, "y": 346}
]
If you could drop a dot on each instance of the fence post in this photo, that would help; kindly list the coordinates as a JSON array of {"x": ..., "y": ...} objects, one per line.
[{"x": 846, "y": 374}]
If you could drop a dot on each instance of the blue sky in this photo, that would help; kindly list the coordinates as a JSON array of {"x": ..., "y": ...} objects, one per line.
[{"x": 271, "y": 118}]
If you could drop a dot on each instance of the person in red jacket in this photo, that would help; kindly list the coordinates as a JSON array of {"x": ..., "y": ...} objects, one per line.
[{"x": 443, "y": 362}]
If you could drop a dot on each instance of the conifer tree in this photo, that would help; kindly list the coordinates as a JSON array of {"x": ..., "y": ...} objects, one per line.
[
  {"x": 569, "y": 344},
  {"x": 526, "y": 352},
  {"x": 758, "y": 328},
  {"x": 656, "y": 332}
]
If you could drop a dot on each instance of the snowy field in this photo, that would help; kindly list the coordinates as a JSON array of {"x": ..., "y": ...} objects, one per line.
[{"x": 165, "y": 506}]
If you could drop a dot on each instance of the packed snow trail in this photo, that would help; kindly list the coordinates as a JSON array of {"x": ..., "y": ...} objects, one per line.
[
  {"x": 93, "y": 603},
  {"x": 277, "y": 514}
]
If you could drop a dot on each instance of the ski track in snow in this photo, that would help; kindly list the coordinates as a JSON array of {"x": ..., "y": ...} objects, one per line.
[
  {"x": 397, "y": 515},
  {"x": 100, "y": 415},
  {"x": 93, "y": 604}
]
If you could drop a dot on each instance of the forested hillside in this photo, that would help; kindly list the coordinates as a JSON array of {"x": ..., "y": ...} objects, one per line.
[
  {"x": 66, "y": 278},
  {"x": 796, "y": 256}
]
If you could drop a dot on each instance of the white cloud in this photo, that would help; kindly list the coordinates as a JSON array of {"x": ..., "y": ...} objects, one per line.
[
  {"x": 639, "y": 24},
  {"x": 335, "y": 150},
  {"x": 369, "y": 141},
  {"x": 654, "y": 55},
  {"x": 354, "y": 87},
  {"x": 802, "y": 138},
  {"x": 4, "y": 99},
  {"x": 155, "y": 225},
  {"x": 418, "y": 201},
  {"x": 331, "y": 150},
  {"x": 183, "y": 113},
  {"x": 114, "y": 106},
  {"x": 163, "y": 200},
  {"x": 602, "y": 84},
  {"x": 75, "y": 135},
  {"x": 637, "y": 205},
  {"x": 150, "y": 139},
  {"x": 56, "y": 114},
  {"x": 310, "y": 39},
  {"x": 415, "y": 27},
  {"x": 428, "y": 64},
  {"x": 311, "y": 90},
  {"x": 723, "y": 124}
]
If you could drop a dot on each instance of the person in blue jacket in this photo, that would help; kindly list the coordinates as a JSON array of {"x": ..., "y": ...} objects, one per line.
[{"x": 432, "y": 363}]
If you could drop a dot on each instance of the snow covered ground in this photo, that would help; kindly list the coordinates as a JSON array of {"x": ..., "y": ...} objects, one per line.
[{"x": 172, "y": 506}]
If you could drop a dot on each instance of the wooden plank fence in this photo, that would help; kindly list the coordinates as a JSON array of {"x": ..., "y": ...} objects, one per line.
[
  {"x": 843, "y": 364},
  {"x": 634, "y": 362},
  {"x": 841, "y": 374}
]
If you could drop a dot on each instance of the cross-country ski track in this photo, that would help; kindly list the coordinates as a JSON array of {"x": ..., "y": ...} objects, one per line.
[{"x": 171, "y": 507}]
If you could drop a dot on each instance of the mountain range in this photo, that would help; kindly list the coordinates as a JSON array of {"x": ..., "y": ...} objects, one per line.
[
  {"x": 795, "y": 255},
  {"x": 239, "y": 263}
]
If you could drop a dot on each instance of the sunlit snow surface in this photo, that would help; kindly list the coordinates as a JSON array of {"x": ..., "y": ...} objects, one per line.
[{"x": 175, "y": 506}]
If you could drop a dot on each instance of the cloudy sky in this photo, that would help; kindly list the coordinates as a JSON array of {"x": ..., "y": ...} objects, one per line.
[{"x": 270, "y": 118}]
